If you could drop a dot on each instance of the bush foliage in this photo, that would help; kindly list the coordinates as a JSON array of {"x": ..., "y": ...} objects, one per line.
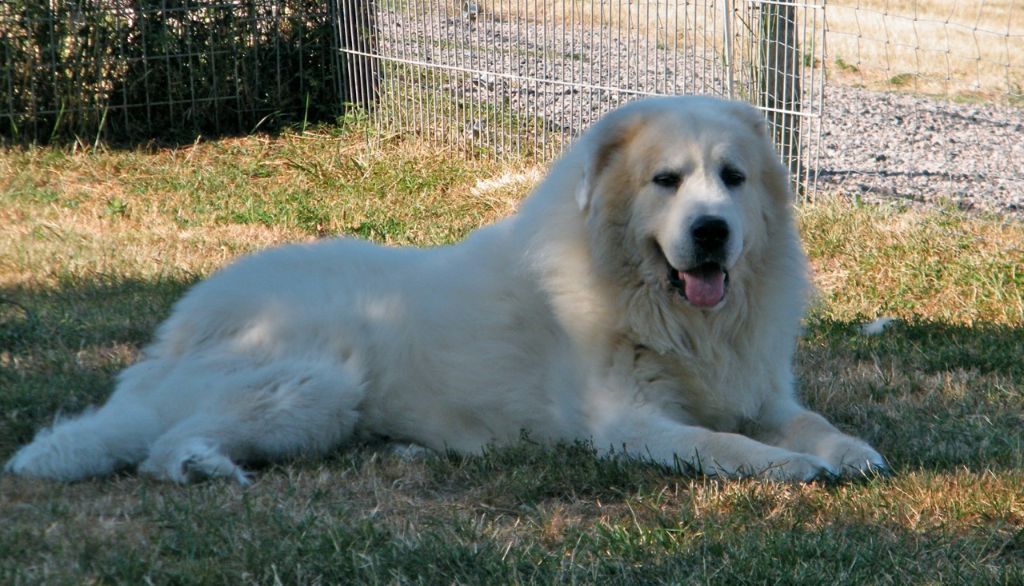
[{"x": 130, "y": 70}]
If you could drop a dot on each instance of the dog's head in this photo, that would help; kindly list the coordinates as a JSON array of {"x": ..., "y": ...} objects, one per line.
[{"x": 682, "y": 189}]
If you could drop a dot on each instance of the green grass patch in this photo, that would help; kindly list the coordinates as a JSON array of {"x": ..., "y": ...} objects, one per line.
[{"x": 98, "y": 245}]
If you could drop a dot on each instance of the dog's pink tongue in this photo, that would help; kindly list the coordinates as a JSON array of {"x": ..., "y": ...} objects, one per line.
[{"x": 703, "y": 288}]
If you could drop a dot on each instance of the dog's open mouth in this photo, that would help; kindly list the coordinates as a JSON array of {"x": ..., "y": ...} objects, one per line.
[{"x": 703, "y": 286}]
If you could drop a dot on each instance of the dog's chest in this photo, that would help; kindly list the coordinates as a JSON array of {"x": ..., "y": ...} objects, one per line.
[{"x": 718, "y": 396}]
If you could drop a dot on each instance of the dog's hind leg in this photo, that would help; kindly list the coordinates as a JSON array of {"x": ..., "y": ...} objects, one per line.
[
  {"x": 95, "y": 443},
  {"x": 263, "y": 413},
  {"x": 99, "y": 441}
]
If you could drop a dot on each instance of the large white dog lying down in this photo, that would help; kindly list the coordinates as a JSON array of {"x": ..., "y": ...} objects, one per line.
[{"x": 647, "y": 297}]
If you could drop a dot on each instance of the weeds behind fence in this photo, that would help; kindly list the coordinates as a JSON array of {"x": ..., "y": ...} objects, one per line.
[{"x": 127, "y": 70}]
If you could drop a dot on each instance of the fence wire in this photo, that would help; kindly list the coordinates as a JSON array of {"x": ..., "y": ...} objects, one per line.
[
  {"x": 523, "y": 77},
  {"x": 520, "y": 78},
  {"x": 135, "y": 69},
  {"x": 969, "y": 49},
  {"x": 925, "y": 102}
]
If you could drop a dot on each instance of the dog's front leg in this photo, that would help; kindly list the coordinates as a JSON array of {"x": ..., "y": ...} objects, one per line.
[
  {"x": 788, "y": 425},
  {"x": 645, "y": 433}
]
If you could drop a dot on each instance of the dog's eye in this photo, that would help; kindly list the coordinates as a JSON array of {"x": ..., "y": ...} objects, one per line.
[
  {"x": 732, "y": 177},
  {"x": 667, "y": 179}
]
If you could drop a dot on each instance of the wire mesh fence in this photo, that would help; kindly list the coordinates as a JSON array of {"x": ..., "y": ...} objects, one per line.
[
  {"x": 522, "y": 77},
  {"x": 968, "y": 49},
  {"x": 924, "y": 102},
  {"x": 135, "y": 69}
]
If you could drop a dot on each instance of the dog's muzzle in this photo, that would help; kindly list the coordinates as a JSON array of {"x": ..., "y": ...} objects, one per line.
[{"x": 704, "y": 282}]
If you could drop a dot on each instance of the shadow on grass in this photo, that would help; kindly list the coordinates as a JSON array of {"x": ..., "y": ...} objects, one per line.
[
  {"x": 204, "y": 536},
  {"x": 61, "y": 347},
  {"x": 929, "y": 346},
  {"x": 928, "y": 395}
]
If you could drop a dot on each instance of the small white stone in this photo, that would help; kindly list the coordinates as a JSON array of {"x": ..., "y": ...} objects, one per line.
[{"x": 877, "y": 326}]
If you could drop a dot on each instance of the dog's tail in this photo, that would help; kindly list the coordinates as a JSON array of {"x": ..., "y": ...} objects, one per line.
[{"x": 95, "y": 443}]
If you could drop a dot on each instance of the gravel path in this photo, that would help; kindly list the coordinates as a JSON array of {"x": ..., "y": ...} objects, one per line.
[
  {"x": 874, "y": 146},
  {"x": 883, "y": 146}
]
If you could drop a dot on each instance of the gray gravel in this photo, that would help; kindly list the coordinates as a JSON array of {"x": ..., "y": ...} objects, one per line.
[
  {"x": 875, "y": 146},
  {"x": 883, "y": 146}
]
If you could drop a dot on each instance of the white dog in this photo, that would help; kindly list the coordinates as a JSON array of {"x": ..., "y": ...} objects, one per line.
[{"x": 646, "y": 298}]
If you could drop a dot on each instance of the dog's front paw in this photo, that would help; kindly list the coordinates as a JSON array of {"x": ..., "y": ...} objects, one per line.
[
  {"x": 853, "y": 458},
  {"x": 772, "y": 464},
  {"x": 793, "y": 467}
]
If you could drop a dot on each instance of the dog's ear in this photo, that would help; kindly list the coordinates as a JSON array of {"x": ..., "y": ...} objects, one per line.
[
  {"x": 599, "y": 146},
  {"x": 750, "y": 116},
  {"x": 775, "y": 177},
  {"x": 777, "y": 180}
]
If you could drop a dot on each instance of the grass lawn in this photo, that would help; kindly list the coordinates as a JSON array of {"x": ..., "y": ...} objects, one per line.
[{"x": 96, "y": 246}]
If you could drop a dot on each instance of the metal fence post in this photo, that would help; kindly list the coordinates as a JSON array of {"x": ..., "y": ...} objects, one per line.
[
  {"x": 357, "y": 36},
  {"x": 778, "y": 75}
]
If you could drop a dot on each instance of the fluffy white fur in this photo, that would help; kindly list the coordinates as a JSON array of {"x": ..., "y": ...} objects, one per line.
[{"x": 562, "y": 321}]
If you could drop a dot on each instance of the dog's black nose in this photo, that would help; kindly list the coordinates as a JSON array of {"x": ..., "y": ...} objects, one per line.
[{"x": 710, "y": 233}]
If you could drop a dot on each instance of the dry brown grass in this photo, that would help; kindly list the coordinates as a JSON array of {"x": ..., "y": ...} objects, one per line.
[
  {"x": 96, "y": 246},
  {"x": 964, "y": 269},
  {"x": 190, "y": 210},
  {"x": 929, "y": 46}
]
